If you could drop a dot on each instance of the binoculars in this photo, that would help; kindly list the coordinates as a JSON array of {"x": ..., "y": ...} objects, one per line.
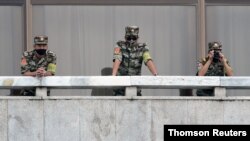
[{"x": 216, "y": 56}]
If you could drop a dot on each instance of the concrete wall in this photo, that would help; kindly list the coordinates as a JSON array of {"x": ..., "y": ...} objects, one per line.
[{"x": 112, "y": 118}]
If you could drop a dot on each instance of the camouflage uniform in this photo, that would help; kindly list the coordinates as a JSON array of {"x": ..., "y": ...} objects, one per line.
[
  {"x": 215, "y": 69},
  {"x": 131, "y": 57},
  {"x": 33, "y": 62},
  {"x": 30, "y": 63}
]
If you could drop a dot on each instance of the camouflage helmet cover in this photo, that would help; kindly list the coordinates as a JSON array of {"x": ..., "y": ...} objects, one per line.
[
  {"x": 132, "y": 31},
  {"x": 214, "y": 45},
  {"x": 41, "y": 40}
]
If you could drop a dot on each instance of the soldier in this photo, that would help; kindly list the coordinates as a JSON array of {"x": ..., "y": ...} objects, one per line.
[
  {"x": 39, "y": 62},
  {"x": 128, "y": 57},
  {"x": 215, "y": 64}
]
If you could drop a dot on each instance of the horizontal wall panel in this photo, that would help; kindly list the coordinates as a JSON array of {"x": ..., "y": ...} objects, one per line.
[
  {"x": 12, "y": 2},
  {"x": 112, "y": 2},
  {"x": 227, "y": 2}
]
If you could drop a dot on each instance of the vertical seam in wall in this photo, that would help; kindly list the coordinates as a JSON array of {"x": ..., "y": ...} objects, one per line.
[
  {"x": 151, "y": 118},
  {"x": 28, "y": 26},
  {"x": 79, "y": 121},
  {"x": 187, "y": 116},
  {"x": 43, "y": 101},
  {"x": 223, "y": 107},
  {"x": 201, "y": 36},
  {"x": 7, "y": 120},
  {"x": 115, "y": 121}
]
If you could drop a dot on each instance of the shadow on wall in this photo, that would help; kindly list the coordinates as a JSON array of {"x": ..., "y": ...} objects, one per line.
[
  {"x": 186, "y": 92},
  {"x": 103, "y": 91},
  {"x": 15, "y": 92}
]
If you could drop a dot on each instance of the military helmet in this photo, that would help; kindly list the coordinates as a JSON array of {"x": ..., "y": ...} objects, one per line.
[
  {"x": 214, "y": 45},
  {"x": 41, "y": 40},
  {"x": 132, "y": 31}
]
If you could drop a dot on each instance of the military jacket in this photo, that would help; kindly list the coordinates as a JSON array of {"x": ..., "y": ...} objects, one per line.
[
  {"x": 215, "y": 69},
  {"x": 30, "y": 62},
  {"x": 131, "y": 57}
]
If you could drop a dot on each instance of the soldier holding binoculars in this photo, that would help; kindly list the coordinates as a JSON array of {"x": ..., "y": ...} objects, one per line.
[{"x": 215, "y": 64}]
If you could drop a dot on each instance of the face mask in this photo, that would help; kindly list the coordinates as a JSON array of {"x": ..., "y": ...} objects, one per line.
[
  {"x": 41, "y": 51},
  {"x": 131, "y": 39}
]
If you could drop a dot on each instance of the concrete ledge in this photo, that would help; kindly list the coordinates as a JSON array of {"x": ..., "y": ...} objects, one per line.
[
  {"x": 235, "y": 82},
  {"x": 231, "y": 98},
  {"x": 85, "y": 81},
  {"x": 155, "y": 82},
  {"x": 145, "y": 82},
  {"x": 7, "y": 82},
  {"x": 174, "y": 82}
]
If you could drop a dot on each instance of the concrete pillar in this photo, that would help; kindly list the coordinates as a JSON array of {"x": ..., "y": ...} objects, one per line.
[
  {"x": 220, "y": 92},
  {"x": 41, "y": 91},
  {"x": 131, "y": 91}
]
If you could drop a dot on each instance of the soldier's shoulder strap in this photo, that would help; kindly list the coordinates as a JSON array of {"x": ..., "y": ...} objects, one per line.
[
  {"x": 120, "y": 43},
  {"x": 28, "y": 53},
  {"x": 142, "y": 45},
  {"x": 51, "y": 53}
]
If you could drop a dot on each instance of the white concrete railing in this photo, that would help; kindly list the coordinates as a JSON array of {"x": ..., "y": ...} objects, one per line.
[{"x": 220, "y": 84}]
